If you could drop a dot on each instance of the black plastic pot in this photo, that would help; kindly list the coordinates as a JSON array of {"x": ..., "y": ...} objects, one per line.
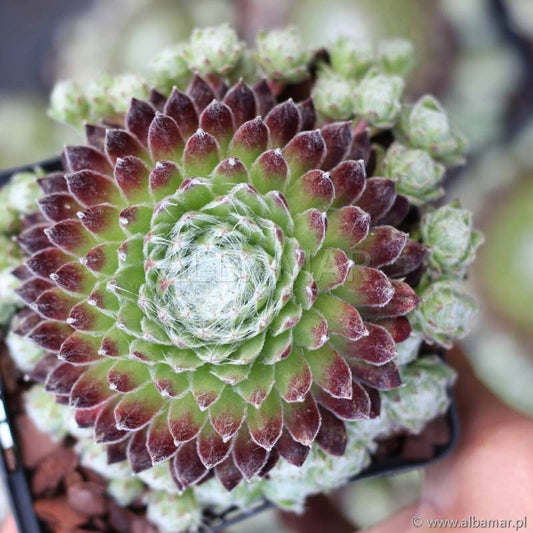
[
  {"x": 48, "y": 165},
  {"x": 16, "y": 480}
]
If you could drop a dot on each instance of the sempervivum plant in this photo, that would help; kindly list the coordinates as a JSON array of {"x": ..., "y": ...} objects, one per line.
[
  {"x": 220, "y": 276},
  {"x": 217, "y": 274}
]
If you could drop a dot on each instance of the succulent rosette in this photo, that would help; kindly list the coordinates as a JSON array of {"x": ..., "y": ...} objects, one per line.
[
  {"x": 220, "y": 282},
  {"x": 220, "y": 278},
  {"x": 450, "y": 233}
]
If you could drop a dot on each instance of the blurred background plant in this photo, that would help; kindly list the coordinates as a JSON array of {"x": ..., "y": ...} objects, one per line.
[{"x": 476, "y": 55}]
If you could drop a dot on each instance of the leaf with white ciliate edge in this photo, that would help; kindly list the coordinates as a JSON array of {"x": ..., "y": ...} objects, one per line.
[
  {"x": 248, "y": 456},
  {"x": 212, "y": 449},
  {"x": 357, "y": 407},
  {"x": 378, "y": 347},
  {"x": 137, "y": 408},
  {"x": 343, "y": 318},
  {"x": 365, "y": 286},
  {"x": 105, "y": 428},
  {"x": 286, "y": 319},
  {"x": 188, "y": 465},
  {"x": 227, "y": 414},
  {"x": 312, "y": 330},
  {"x": 291, "y": 450},
  {"x": 185, "y": 418},
  {"x": 169, "y": 383},
  {"x": 331, "y": 267},
  {"x": 232, "y": 374},
  {"x": 257, "y": 387},
  {"x": 228, "y": 474},
  {"x": 293, "y": 377},
  {"x": 302, "y": 419},
  {"x": 160, "y": 441},
  {"x": 205, "y": 388},
  {"x": 92, "y": 389},
  {"x": 125, "y": 376},
  {"x": 305, "y": 289},
  {"x": 265, "y": 422},
  {"x": 330, "y": 371}
]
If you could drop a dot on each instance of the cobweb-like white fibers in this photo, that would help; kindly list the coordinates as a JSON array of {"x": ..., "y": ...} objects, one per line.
[{"x": 216, "y": 282}]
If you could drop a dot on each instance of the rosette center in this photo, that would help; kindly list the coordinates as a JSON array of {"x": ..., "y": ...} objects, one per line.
[{"x": 216, "y": 282}]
